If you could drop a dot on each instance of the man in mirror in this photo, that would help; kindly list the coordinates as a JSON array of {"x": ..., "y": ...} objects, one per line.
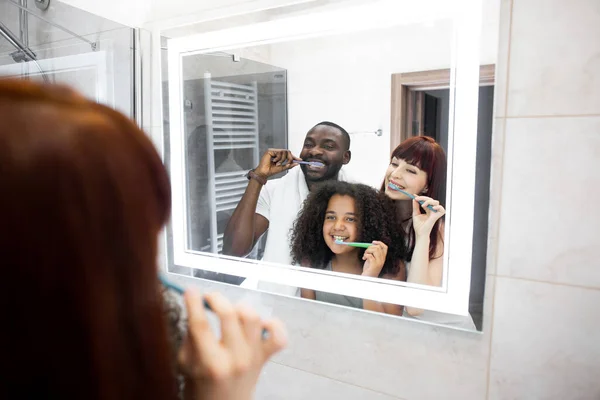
[{"x": 274, "y": 205}]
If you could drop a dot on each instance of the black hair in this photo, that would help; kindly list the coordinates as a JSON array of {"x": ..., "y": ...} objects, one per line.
[
  {"x": 377, "y": 218},
  {"x": 345, "y": 133}
]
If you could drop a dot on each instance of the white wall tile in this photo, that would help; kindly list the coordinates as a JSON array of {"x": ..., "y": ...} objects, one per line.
[
  {"x": 395, "y": 356},
  {"x": 280, "y": 382},
  {"x": 496, "y": 174},
  {"x": 555, "y": 58},
  {"x": 549, "y": 219},
  {"x": 488, "y": 304},
  {"x": 545, "y": 342},
  {"x": 502, "y": 60}
]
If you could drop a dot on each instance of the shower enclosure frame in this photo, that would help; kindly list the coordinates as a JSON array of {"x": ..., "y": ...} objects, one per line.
[{"x": 101, "y": 60}]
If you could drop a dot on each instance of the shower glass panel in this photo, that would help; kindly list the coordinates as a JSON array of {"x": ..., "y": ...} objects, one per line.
[
  {"x": 66, "y": 45},
  {"x": 235, "y": 109}
]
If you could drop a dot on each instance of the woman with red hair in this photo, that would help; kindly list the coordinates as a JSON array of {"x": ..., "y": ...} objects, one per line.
[
  {"x": 84, "y": 198},
  {"x": 415, "y": 179},
  {"x": 418, "y": 168}
]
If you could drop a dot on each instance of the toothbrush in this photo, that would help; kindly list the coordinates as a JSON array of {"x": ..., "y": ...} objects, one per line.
[
  {"x": 316, "y": 164},
  {"x": 354, "y": 244},
  {"x": 311, "y": 163},
  {"x": 396, "y": 188},
  {"x": 178, "y": 289}
]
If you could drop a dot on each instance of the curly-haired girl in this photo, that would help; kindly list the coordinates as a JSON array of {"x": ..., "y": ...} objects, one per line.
[{"x": 350, "y": 212}]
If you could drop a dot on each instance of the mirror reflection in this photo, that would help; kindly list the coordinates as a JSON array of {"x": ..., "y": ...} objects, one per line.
[
  {"x": 288, "y": 156},
  {"x": 241, "y": 103},
  {"x": 350, "y": 228}
]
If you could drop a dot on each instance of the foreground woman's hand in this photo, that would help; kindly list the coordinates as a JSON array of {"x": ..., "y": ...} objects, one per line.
[{"x": 227, "y": 368}]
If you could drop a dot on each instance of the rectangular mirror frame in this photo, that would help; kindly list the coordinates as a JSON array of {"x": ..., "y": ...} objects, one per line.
[{"x": 453, "y": 296}]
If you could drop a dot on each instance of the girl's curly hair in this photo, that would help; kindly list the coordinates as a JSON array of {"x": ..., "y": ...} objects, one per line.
[{"x": 377, "y": 220}]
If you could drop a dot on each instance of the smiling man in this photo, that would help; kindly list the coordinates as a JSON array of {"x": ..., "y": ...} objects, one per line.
[{"x": 274, "y": 206}]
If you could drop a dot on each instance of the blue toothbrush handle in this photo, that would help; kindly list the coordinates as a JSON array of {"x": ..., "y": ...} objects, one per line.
[
  {"x": 429, "y": 206},
  {"x": 412, "y": 196}
]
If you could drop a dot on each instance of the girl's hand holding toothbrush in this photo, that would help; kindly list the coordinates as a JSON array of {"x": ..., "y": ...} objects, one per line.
[{"x": 374, "y": 259}]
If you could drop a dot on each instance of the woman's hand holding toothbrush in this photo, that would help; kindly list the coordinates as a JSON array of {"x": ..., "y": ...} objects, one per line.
[
  {"x": 225, "y": 367},
  {"x": 423, "y": 223}
]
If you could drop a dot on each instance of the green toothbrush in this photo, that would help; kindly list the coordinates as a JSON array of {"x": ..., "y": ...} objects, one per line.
[{"x": 354, "y": 244}]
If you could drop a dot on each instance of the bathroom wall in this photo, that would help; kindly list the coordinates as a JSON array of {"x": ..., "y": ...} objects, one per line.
[
  {"x": 347, "y": 80},
  {"x": 543, "y": 285}
]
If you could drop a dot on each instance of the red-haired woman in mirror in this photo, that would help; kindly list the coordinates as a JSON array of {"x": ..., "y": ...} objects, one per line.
[{"x": 415, "y": 179}]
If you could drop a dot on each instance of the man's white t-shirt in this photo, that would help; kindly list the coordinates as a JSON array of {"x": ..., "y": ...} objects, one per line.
[{"x": 280, "y": 202}]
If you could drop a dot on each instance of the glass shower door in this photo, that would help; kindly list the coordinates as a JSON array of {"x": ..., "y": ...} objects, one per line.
[
  {"x": 86, "y": 73},
  {"x": 66, "y": 45}
]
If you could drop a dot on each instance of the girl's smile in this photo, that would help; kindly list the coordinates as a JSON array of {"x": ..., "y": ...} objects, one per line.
[{"x": 340, "y": 223}]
